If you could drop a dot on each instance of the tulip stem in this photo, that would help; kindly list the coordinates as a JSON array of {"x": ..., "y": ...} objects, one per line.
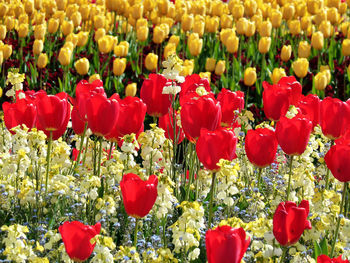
[
  {"x": 136, "y": 230},
  {"x": 338, "y": 220},
  {"x": 327, "y": 174},
  {"x": 284, "y": 254},
  {"x": 80, "y": 147},
  {"x": 259, "y": 177},
  {"x": 290, "y": 176},
  {"x": 99, "y": 167},
  {"x": 211, "y": 200},
  {"x": 49, "y": 146}
]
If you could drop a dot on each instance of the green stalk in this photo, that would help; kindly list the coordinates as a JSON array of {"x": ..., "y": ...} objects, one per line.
[
  {"x": 290, "y": 176},
  {"x": 80, "y": 147},
  {"x": 259, "y": 177},
  {"x": 99, "y": 167},
  {"x": 212, "y": 187},
  {"x": 327, "y": 174},
  {"x": 48, "y": 160},
  {"x": 284, "y": 254},
  {"x": 136, "y": 230}
]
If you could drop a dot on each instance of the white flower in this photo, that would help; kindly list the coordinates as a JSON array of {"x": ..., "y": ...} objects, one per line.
[{"x": 171, "y": 89}]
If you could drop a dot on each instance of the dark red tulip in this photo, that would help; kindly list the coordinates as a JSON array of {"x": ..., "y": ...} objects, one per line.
[
  {"x": 215, "y": 145},
  {"x": 102, "y": 114},
  {"x": 338, "y": 161},
  {"x": 225, "y": 244},
  {"x": 151, "y": 93},
  {"x": 326, "y": 259},
  {"x": 290, "y": 221},
  {"x": 132, "y": 113},
  {"x": 261, "y": 146},
  {"x": 76, "y": 238},
  {"x": 198, "y": 113},
  {"x": 295, "y": 88},
  {"x": 310, "y": 107},
  {"x": 19, "y": 113},
  {"x": 78, "y": 124},
  {"x": 231, "y": 103},
  {"x": 167, "y": 124},
  {"x": 293, "y": 134},
  {"x": 191, "y": 83},
  {"x": 334, "y": 118},
  {"x": 138, "y": 196}
]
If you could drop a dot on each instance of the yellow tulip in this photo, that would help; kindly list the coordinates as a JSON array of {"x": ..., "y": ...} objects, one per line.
[
  {"x": 195, "y": 44},
  {"x": 105, "y": 44},
  {"x": 131, "y": 89},
  {"x": 288, "y": 11},
  {"x": 250, "y": 29},
  {"x": 212, "y": 24},
  {"x": 38, "y": 46},
  {"x": 40, "y": 32},
  {"x": 42, "y": 60},
  {"x": 317, "y": 40},
  {"x": 226, "y": 21},
  {"x": 100, "y": 33},
  {"x": 53, "y": 25},
  {"x": 320, "y": 81},
  {"x": 326, "y": 28},
  {"x": 29, "y": 7},
  {"x": 151, "y": 61},
  {"x": 158, "y": 35},
  {"x": 304, "y": 49},
  {"x": 174, "y": 39},
  {"x": 265, "y": 29},
  {"x": 142, "y": 33},
  {"x": 232, "y": 44},
  {"x": 241, "y": 25},
  {"x": 277, "y": 74},
  {"x": 82, "y": 38},
  {"x": 220, "y": 67},
  {"x": 300, "y": 67},
  {"x": 119, "y": 65},
  {"x": 94, "y": 77},
  {"x": 237, "y": 11},
  {"x": 294, "y": 27},
  {"x": 325, "y": 69},
  {"x": 169, "y": 49},
  {"x": 64, "y": 56},
  {"x": 333, "y": 15},
  {"x": 210, "y": 64},
  {"x": 76, "y": 18},
  {"x": 23, "y": 30},
  {"x": 187, "y": 22},
  {"x": 137, "y": 11},
  {"x": 198, "y": 27},
  {"x": 3, "y": 32},
  {"x": 313, "y": 6},
  {"x": 264, "y": 45},
  {"x": 345, "y": 47},
  {"x": 276, "y": 18},
  {"x": 249, "y": 76},
  {"x": 250, "y": 7},
  {"x": 67, "y": 27}
]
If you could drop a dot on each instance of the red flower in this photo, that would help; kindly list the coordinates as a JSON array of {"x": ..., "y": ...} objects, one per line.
[
  {"x": 151, "y": 93},
  {"x": 191, "y": 83},
  {"x": 18, "y": 113},
  {"x": 310, "y": 106},
  {"x": 326, "y": 259},
  {"x": 138, "y": 196},
  {"x": 167, "y": 124},
  {"x": 290, "y": 221},
  {"x": 102, "y": 114},
  {"x": 78, "y": 124},
  {"x": 198, "y": 113},
  {"x": 215, "y": 145},
  {"x": 294, "y": 87},
  {"x": 338, "y": 161},
  {"x": 76, "y": 238},
  {"x": 261, "y": 146},
  {"x": 293, "y": 134},
  {"x": 334, "y": 118},
  {"x": 225, "y": 244},
  {"x": 230, "y": 102}
]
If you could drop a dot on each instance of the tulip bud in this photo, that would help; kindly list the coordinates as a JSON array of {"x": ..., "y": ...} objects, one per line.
[
  {"x": 277, "y": 74},
  {"x": 333, "y": 15},
  {"x": 198, "y": 27},
  {"x": 158, "y": 35},
  {"x": 64, "y": 56},
  {"x": 343, "y": 8},
  {"x": 326, "y": 28},
  {"x": 42, "y": 60},
  {"x": 300, "y": 67},
  {"x": 195, "y": 46},
  {"x": 305, "y": 23},
  {"x": 264, "y": 45},
  {"x": 23, "y": 30},
  {"x": 345, "y": 47},
  {"x": 29, "y": 7},
  {"x": 212, "y": 24},
  {"x": 325, "y": 69},
  {"x": 265, "y": 29},
  {"x": 320, "y": 81},
  {"x": 250, "y": 29},
  {"x": 151, "y": 61},
  {"x": 76, "y": 18},
  {"x": 237, "y": 11},
  {"x": 187, "y": 22},
  {"x": 232, "y": 44},
  {"x": 210, "y": 64},
  {"x": 294, "y": 27},
  {"x": 137, "y": 11},
  {"x": 4, "y": 7},
  {"x": 72, "y": 38},
  {"x": 288, "y": 11},
  {"x": 1, "y": 59},
  {"x": 100, "y": 33},
  {"x": 241, "y": 25},
  {"x": 131, "y": 90},
  {"x": 169, "y": 49},
  {"x": 3, "y": 32},
  {"x": 313, "y": 6},
  {"x": 61, "y": 4},
  {"x": 250, "y": 7},
  {"x": 82, "y": 66},
  {"x": 6, "y": 51},
  {"x": 187, "y": 68},
  {"x": 141, "y": 22},
  {"x": 69, "y": 45},
  {"x": 53, "y": 25},
  {"x": 317, "y": 40},
  {"x": 142, "y": 33},
  {"x": 174, "y": 39},
  {"x": 226, "y": 21},
  {"x": 40, "y": 31},
  {"x": 249, "y": 76},
  {"x": 82, "y": 38},
  {"x": 105, "y": 44},
  {"x": 304, "y": 49},
  {"x": 67, "y": 27},
  {"x": 38, "y": 46},
  {"x": 220, "y": 67},
  {"x": 119, "y": 65},
  {"x": 10, "y": 23},
  {"x": 276, "y": 18}
]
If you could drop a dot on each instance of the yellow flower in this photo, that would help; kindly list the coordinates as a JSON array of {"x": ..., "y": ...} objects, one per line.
[
  {"x": 345, "y": 48},
  {"x": 64, "y": 56},
  {"x": 304, "y": 49},
  {"x": 300, "y": 67},
  {"x": 119, "y": 65},
  {"x": 23, "y": 30},
  {"x": 187, "y": 22},
  {"x": 276, "y": 18},
  {"x": 142, "y": 33},
  {"x": 210, "y": 64},
  {"x": 277, "y": 74},
  {"x": 265, "y": 29},
  {"x": 320, "y": 81},
  {"x": 317, "y": 40},
  {"x": 38, "y": 46},
  {"x": 220, "y": 67},
  {"x": 249, "y": 76},
  {"x": 131, "y": 89},
  {"x": 264, "y": 44},
  {"x": 3, "y": 32},
  {"x": 67, "y": 27},
  {"x": 82, "y": 66},
  {"x": 151, "y": 61},
  {"x": 42, "y": 60}
]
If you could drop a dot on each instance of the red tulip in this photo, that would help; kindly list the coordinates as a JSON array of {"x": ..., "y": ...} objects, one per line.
[
  {"x": 191, "y": 83},
  {"x": 310, "y": 106},
  {"x": 290, "y": 221},
  {"x": 18, "y": 113},
  {"x": 198, "y": 113},
  {"x": 230, "y": 103},
  {"x": 138, "y": 196},
  {"x": 261, "y": 146},
  {"x": 338, "y": 161},
  {"x": 326, "y": 259},
  {"x": 151, "y": 93},
  {"x": 225, "y": 244},
  {"x": 167, "y": 124},
  {"x": 295, "y": 88},
  {"x": 78, "y": 124},
  {"x": 76, "y": 238},
  {"x": 102, "y": 114},
  {"x": 215, "y": 145},
  {"x": 132, "y": 113},
  {"x": 334, "y": 118},
  {"x": 293, "y": 134}
]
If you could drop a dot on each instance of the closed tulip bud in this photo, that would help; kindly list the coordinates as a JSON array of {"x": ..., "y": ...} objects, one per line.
[
  {"x": 72, "y": 38},
  {"x": 158, "y": 35},
  {"x": 82, "y": 66},
  {"x": 23, "y": 30},
  {"x": 320, "y": 81},
  {"x": 61, "y": 4},
  {"x": 264, "y": 45},
  {"x": 53, "y": 25},
  {"x": 131, "y": 89},
  {"x": 42, "y": 60},
  {"x": 277, "y": 74},
  {"x": 238, "y": 11},
  {"x": 3, "y": 32},
  {"x": 241, "y": 25},
  {"x": 40, "y": 31},
  {"x": 151, "y": 62},
  {"x": 320, "y": 17},
  {"x": 29, "y": 7},
  {"x": 226, "y": 21},
  {"x": 220, "y": 67},
  {"x": 10, "y": 23},
  {"x": 250, "y": 29},
  {"x": 294, "y": 27},
  {"x": 276, "y": 18},
  {"x": 105, "y": 44},
  {"x": 210, "y": 64},
  {"x": 82, "y": 38},
  {"x": 188, "y": 67},
  {"x": 345, "y": 47},
  {"x": 225, "y": 34},
  {"x": 195, "y": 46},
  {"x": 94, "y": 77},
  {"x": 317, "y": 40},
  {"x": 119, "y": 51},
  {"x": 169, "y": 49},
  {"x": 141, "y": 22},
  {"x": 119, "y": 65},
  {"x": 137, "y": 11},
  {"x": 38, "y": 46},
  {"x": 313, "y": 6},
  {"x": 326, "y": 28},
  {"x": 304, "y": 49},
  {"x": 249, "y": 76},
  {"x": 69, "y": 45},
  {"x": 333, "y": 15},
  {"x": 198, "y": 27},
  {"x": 212, "y": 24},
  {"x": 288, "y": 11},
  {"x": 300, "y": 67},
  {"x": 250, "y": 7},
  {"x": 187, "y": 22},
  {"x": 85, "y": 12},
  {"x": 76, "y": 18},
  {"x": 99, "y": 21},
  {"x": 1, "y": 61},
  {"x": 6, "y": 51},
  {"x": 64, "y": 56},
  {"x": 174, "y": 39},
  {"x": 23, "y": 19},
  {"x": 67, "y": 27},
  {"x": 100, "y": 33},
  {"x": 142, "y": 33},
  {"x": 265, "y": 29},
  {"x": 301, "y": 9},
  {"x": 3, "y": 9},
  {"x": 342, "y": 8},
  {"x": 325, "y": 69},
  {"x": 232, "y": 44},
  {"x": 344, "y": 27},
  {"x": 305, "y": 23}
]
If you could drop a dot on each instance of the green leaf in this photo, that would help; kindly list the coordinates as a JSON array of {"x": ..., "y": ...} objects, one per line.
[
  {"x": 317, "y": 250},
  {"x": 324, "y": 246}
]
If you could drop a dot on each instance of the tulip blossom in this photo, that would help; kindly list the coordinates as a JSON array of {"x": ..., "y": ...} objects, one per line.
[
  {"x": 76, "y": 238},
  {"x": 215, "y": 145},
  {"x": 166, "y": 122},
  {"x": 293, "y": 134},
  {"x": 310, "y": 106},
  {"x": 190, "y": 85},
  {"x": 338, "y": 161},
  {"x": 326, "y": 259},
  {"x": 261, "y": 146},
  {"x": 290, "y": 221},
  {"x": 225, "y": 244},
  {"x": 78, "y": 124},
  {"x": 231, "y": 104},
  {"x": 138, "y": 196}
]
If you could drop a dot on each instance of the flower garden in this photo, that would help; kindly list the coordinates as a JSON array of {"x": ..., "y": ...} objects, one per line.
[{"x": 175, "y": 131}]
